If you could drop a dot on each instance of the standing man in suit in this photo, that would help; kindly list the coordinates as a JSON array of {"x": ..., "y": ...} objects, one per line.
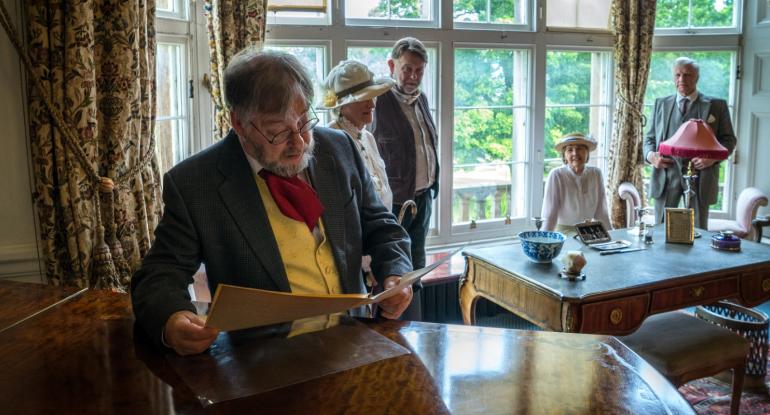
[
  {"x": 276, "y": 205},
  {"x": 406, "y": 137},
  {"x": 669, "y": 113}
]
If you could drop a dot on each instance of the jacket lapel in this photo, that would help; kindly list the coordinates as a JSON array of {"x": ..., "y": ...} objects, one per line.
[
  {"x": 704, "y": 106},
  {"x": 321, "y": 172},
  {"x": 668, "y": 108},
  {"x": 240, "y": 195}
]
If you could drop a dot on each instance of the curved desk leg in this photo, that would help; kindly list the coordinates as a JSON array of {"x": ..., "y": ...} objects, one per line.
[{"x": 468, "y": 295}]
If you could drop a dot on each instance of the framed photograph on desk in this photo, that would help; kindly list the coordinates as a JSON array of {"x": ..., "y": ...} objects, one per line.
[{"x": 680, "y": 226}]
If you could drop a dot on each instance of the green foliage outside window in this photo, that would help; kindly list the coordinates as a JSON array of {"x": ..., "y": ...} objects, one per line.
[
  {"x": 399, "y": 9},
  {"x": 672, "y": 14},
  {"x": 500, "y": 11},
  {"x": 483, "y": 81}
]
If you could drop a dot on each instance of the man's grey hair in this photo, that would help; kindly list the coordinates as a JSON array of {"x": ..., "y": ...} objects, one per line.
[
  {"x": 409, "y": 44},
  {"x": 685, "y": 61},
  {"x": 265, "y": 82}
]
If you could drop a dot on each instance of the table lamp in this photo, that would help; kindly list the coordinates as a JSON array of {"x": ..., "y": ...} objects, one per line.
[{"x": 693, "y": 139}]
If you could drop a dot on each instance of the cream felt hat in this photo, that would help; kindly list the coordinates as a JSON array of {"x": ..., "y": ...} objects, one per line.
[
  {"x": 351, "y": 81},
  {"x": 576, "y": 138}
]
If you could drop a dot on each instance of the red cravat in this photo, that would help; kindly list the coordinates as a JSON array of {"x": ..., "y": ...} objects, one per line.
[{"x": 295, "y": 198}]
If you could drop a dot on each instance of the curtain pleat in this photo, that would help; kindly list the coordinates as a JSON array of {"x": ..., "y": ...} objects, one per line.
[{"x": 634, "y": 22}]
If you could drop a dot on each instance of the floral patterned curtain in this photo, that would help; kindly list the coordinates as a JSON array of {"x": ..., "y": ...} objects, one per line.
[
  {"x": 232, "y": 26},
  {"x": 634, "y": 21},
  {"x": 91, "y": 66}
]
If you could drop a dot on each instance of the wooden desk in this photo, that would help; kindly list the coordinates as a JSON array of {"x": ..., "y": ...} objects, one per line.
[
  {"x": 620, "y": 290},
  {"x": 22, "y": 300},
  {"x": 83, "y": 358}
]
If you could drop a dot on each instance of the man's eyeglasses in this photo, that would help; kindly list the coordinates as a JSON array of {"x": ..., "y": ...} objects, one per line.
[{"x": 283, "y": 136}]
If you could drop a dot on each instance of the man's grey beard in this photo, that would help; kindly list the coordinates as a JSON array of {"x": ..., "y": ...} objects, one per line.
[{"x": 282, "y": 169}]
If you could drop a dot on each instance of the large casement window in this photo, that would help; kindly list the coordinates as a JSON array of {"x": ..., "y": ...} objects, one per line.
[{"x": 505, "y": 79}]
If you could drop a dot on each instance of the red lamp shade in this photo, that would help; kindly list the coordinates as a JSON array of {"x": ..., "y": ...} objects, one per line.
[{"x": 694, "y": 139}]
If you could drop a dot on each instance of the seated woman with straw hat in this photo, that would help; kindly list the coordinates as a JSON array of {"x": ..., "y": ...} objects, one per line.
[
  {"x": 574, "y": 192},
  {"x": 350, "y": 91}
]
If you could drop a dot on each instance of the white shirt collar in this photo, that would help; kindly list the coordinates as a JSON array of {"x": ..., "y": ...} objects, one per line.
[
  {"x": 692, "y": 97},
  {"x": 253, "y": 163}
]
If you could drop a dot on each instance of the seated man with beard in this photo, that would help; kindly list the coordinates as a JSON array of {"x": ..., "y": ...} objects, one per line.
[{"x": 276, "y": 205}]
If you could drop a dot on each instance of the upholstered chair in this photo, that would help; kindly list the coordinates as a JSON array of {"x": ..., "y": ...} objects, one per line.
[
  {"x": 683, "y": 347},
  {"x": 749, "y": 202},
  {"x": 628, "y": 194}
]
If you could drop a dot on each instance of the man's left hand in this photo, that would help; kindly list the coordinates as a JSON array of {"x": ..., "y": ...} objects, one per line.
[
  {"x": 394, "y": 306},
  {"x": 701, "y": 163}
]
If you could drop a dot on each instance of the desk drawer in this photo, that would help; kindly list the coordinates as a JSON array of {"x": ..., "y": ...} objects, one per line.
[
  {"x": 614, "y": 316},
  {"x": 694, "y": 294},
  {"x": 755, "y": 287}
]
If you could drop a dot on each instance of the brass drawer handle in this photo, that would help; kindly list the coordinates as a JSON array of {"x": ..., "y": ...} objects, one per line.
[
  {"x": 616, "y": 316},
  {"x": 697, "y": 291},
  {"x": 766, "y": 285}
]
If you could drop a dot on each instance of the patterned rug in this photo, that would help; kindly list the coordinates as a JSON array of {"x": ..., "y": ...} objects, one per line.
[{"x": 712, "y": 396}]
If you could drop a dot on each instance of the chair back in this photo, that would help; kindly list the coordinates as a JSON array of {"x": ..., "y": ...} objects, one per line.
[
  {"x": 747, "y": 206},
  {"x": 628, "y": 193}
]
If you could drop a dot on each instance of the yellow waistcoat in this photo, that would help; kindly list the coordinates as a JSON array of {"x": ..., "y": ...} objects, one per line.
[{"x": 309, "y": 264}]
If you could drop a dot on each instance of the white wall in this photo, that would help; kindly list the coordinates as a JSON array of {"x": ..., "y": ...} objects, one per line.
[
  {"x": 754, "y": 107},
  {"x": 18, "y": 248}
]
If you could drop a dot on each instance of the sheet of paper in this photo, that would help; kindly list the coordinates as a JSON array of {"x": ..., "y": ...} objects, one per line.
[{"x": 235, "y": 308}]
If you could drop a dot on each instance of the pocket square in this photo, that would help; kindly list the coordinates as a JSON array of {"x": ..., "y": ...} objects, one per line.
[{"x": 711, "y": 119}]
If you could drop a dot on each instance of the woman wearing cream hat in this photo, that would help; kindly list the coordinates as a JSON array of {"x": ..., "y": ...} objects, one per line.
[
  {"x": 574, "y": 192},
  {"x": 350, "y": 91}
]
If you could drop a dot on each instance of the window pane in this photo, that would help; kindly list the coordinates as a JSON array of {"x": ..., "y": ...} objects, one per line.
[
  {"x": 489, "y": 134},
  {"x": 577, "y": 100},
  {"x": 682, "y": 14},
  {"x": 490, "y": 11},
  {"x": 586, "y": 14},
  {"x": 175, "y": 9},
  {"x": 312, "y": 58},
  {"x": 389, "y": 9},
  {"x": 494, "y": 87},
  {"x": 164, "y": 5},
  {"x": 171, "y": 127}
]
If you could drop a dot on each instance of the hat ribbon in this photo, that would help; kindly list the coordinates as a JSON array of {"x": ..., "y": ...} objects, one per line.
[{"x": 354, "y": 89}]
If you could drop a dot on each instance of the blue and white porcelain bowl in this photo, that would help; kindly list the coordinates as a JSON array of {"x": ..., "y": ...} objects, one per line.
[{"x": 541, "y": 246}]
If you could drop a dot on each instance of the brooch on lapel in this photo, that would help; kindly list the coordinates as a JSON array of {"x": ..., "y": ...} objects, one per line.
[{"x": 711, "y": 118}]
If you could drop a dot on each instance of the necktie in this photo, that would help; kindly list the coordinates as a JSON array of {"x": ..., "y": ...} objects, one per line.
[
  {"x": 295, "y": 198},
  {"x": 683, "y": 105}
]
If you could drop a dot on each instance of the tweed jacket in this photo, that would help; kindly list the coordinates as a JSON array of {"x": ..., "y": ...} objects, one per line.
[
  {"x": 214, "y": 215},
  {"x": 712, "y": 110}
]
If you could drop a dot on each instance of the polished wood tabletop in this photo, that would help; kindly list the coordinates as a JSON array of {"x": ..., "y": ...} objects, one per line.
[
  {"x": 21, "y": 300},
  {"x": 619, "y": 290},
  {"x": 84, "y": 357}
]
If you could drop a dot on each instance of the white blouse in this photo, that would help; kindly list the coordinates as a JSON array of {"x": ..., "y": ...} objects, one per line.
[
  {"x": 572, "y": 198},
  {"x": 367, "y": 148}
]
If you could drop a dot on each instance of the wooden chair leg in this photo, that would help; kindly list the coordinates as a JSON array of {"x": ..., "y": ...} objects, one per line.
[{"x": 735, "y": 400}]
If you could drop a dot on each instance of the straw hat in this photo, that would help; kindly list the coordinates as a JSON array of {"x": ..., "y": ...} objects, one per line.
[
  {"x": 351, "y": 81},
  {"x": 576, "y": 138}
]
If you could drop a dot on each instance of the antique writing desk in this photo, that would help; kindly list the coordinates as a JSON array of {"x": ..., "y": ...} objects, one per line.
[
  {"x": 83, "y": 357},
  {"x": 22, "y": 300},
  {"x": 620, "y": 290}
]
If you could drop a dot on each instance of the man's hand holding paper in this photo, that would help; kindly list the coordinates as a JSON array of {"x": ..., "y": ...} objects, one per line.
[{"x": 392, "y": 307}]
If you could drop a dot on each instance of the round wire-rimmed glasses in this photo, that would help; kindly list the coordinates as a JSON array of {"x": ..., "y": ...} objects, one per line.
[{"x": 283, "y": 136}]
